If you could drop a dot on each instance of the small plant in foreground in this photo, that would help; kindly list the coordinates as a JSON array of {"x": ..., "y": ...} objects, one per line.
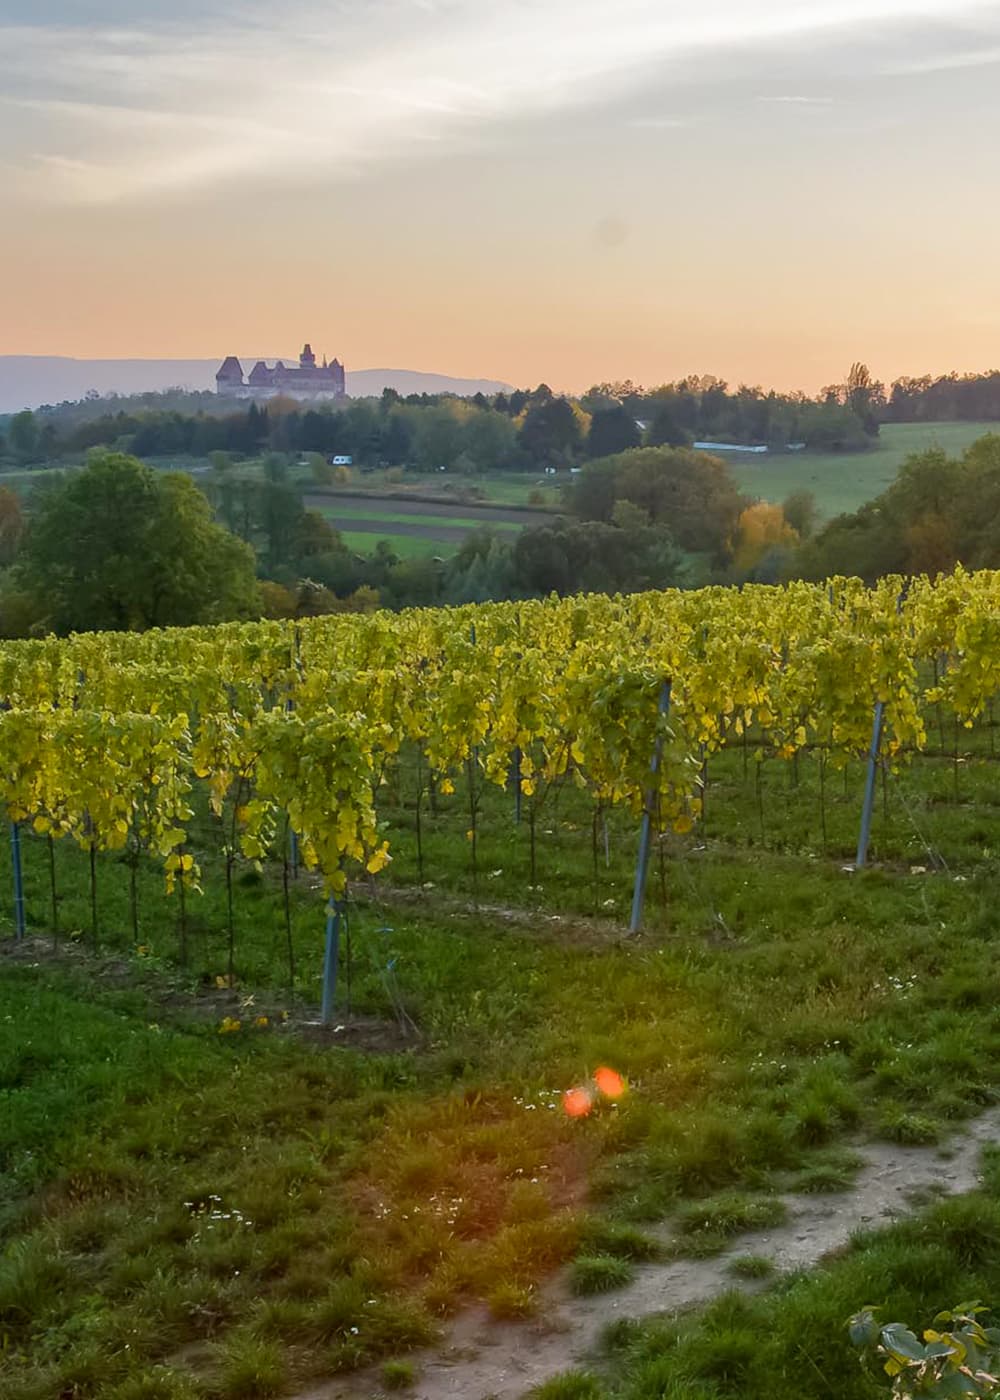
[
  {"x": 830, "y": 1171},
  {"x": 750, "y": 1266},
  {"x": 510, "y": 1301},
  {"x": 598, "y": 1273},
  {"x": 909, "y": 1129},
  {"x": 623, "y": 1241},
  {"x": 157, "y": 1383},
  {"x": 731, "y": 1214},
  {"x": 962, "y": 1361},
  {"x": 399, "y": 1375},
  {"x": 252, "y": 1369}
]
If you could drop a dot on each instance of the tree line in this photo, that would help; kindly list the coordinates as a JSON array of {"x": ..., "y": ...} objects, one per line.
[
  {"x": 524, "y": 430},
  {"x": 527, "y": 429},
  {"x": 119, "y": 545}
]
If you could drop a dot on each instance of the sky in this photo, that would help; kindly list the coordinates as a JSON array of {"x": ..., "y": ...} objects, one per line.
[{"x": 561, "y": 190}]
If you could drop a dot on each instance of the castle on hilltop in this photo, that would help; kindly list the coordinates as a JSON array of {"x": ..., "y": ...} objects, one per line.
[{"x": 309, "y": 381}]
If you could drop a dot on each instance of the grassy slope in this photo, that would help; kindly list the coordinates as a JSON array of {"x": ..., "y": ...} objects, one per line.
[
  {"x": 842, "y": 482},
  {"x": 404, "y": 546},
  {"x": 775, "y": 1006}
]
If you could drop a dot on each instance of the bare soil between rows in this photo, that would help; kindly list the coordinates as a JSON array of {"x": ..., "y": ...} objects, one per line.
[{"x": 208, "y": 1002}]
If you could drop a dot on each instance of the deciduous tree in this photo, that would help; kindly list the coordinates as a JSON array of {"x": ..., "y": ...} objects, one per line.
[{"x": 120, "y": 546}]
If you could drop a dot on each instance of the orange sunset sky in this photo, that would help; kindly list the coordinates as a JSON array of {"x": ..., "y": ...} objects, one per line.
[{"x": 534, "y": 189}]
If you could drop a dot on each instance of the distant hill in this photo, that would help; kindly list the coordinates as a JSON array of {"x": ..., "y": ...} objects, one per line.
[
  {"x": 365, "y": 383},
  {"x": 26, "y": 381}
]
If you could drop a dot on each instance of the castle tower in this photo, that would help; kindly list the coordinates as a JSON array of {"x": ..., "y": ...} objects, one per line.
[
  {"x": 229, "y": 379},
  {"x": 307, "y": 360}
]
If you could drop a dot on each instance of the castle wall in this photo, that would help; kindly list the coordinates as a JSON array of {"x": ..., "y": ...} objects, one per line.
[
  {"x": 272, "y": 391},
  {"x": 299, "y": 382}
]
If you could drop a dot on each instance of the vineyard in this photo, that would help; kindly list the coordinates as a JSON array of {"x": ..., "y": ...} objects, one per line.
[
  {"x": 307, "y": 742},
  {"x": 204, "y": 1199}
]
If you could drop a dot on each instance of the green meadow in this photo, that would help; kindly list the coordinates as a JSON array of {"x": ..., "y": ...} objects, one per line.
[
  {"x": 844, "y": 481},
  {"x": 203, "y": 1194}
]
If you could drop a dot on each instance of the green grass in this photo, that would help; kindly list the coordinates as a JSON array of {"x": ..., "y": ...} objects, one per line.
[
  {"x": 404, "y": 546},
  {"x": 830, "y": 1171},
  {"x": 776, "y": 1008},
  {"x": 790, "y": 1342},
  {"x": 512, "y": 1301},
  {"x": 708, "y": 1226},
  {"x": 398, "y": 1375},
  {"x": 408, "y": 546},
  {"x": 599, "y": 1273},
  {"x": 751, "y": 1266},
  {"x": 489, "y": 488},
  {"x": 841, "y": 482},
  {"x": 389, "y": 516},
  {"x": 572, "y": 1385}
]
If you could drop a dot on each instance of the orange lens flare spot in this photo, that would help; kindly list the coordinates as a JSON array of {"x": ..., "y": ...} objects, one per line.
[
  {"x": 609, "y": 1082},
  {"x": 578, "y": 1102}
]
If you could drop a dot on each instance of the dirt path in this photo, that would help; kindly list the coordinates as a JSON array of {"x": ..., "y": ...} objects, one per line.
[{"x": 483, "y": 1360}]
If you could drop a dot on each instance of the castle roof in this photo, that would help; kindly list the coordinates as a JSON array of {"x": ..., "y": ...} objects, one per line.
[{"x": 230, "y": 369}]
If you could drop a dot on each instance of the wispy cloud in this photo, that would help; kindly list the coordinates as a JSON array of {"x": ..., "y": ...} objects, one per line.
[
  {"x": 945, "y": 62},
  {"x": 321, "y": 91},
  {"x": 660, "y": 123},
  {"x": 794, "y": 100}
]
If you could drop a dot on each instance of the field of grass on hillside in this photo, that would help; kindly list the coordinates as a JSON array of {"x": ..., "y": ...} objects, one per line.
[
  {"x": 841, "y": 482},
  {"x": 403, "y": 546},
  {"x": 202, "y": 1196},
  {"x": 844, "y": 481}
]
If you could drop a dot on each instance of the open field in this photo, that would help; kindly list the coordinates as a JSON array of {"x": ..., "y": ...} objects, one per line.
[
  {"x": 489, "y": 488},
  {"x": 843, "y": 481},
  {"x": 192, "y": 1213},
  {"x": 377, "y": 526},
  {"x": 416, "y": 519},
  {"x": 357, "y": 506},
  {"x": 403, "y": 546},
  {"x": 839, "y": 481}
]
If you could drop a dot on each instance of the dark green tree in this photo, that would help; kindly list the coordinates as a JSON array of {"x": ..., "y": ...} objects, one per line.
[
  {"x": 612, "y": 430},
  {"x": 550, "y": 432},
  {"x": 397, "y": 436},
  {"x": 280, "y": 520},
  {"x": 664, "y": 429},
  {"x": 22, "y": 435},
  {"x": 489, "y": 440},
  {"x": 119, "y": 546},
  {"x": 690, "y": 493}
]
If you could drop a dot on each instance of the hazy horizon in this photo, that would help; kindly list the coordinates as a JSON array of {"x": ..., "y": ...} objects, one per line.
[
  {"x": 469, "y": 376},
  {"x": 552, "y": 191}
]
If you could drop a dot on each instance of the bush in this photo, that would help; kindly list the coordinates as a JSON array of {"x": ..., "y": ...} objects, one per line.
[{"x": 959, "y": 1361}]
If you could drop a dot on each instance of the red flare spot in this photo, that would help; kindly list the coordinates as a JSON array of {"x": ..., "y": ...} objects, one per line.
[
  {"x": 578, "y": 1102},
  {"x": 609, "y": 1082}
]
